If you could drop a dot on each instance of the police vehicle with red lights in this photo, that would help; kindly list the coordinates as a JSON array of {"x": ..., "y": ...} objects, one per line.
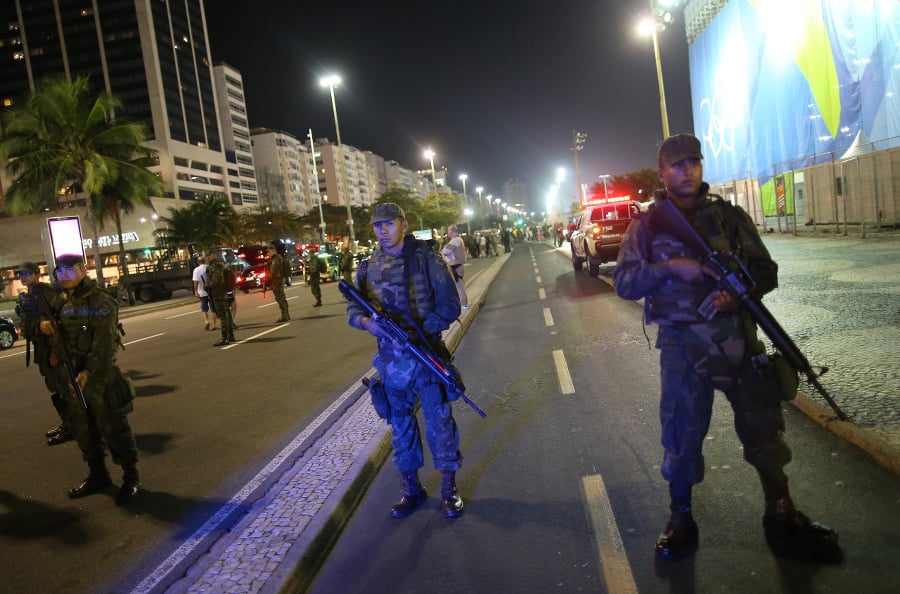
[{"x": 599, "y": 231}]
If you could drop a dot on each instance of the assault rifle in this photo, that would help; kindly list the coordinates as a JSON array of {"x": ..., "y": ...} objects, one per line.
[
  {"x": 733, "y": 277},
  {"x": 424, "y": 353},
  {"x": 64, "y": 367}
]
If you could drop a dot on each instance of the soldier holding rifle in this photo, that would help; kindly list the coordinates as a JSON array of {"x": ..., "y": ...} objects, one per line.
[
  {"x": 29, "y": 309},
  {"x": 707, "y": 341},
  {"x": 85, "y": 338},
  {"x": 409, "y": 282}
]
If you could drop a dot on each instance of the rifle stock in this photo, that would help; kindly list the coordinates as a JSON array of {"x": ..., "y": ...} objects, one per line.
[
  {"x": 423, "y": 353},
  {"x": 671, "y": 220},
  {"x": 61, "y": 353}
]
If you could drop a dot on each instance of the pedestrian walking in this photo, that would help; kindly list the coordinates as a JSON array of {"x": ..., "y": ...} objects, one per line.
[
  {"x": 454, "y": 253},
  {"x": 707, "y": 342},
  {"x": 206, "y": 306},
  {"x": 411, "y": 284},
  {"x": 87, "y": 317}
]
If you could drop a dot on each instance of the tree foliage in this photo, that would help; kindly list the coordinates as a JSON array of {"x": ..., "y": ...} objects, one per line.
[{"x": 65, "y": 139}]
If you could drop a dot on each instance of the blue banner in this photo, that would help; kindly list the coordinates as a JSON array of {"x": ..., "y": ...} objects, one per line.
[{"x": 777, "y": 82}]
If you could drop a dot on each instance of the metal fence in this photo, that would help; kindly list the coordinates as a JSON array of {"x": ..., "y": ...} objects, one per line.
[{"x": 851, "y": 194}]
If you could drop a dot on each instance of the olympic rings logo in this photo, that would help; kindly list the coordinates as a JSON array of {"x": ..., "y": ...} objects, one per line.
[{"x": 719, "y": 134}]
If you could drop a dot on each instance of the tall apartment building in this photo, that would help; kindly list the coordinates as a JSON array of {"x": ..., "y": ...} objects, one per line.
[
  {"x": 362, "y": 181},
  {"x": 281, "y": 158},
  {"x": 515, "y": 193},
  {"x": 153, "y": 56},
  {"x": 242, "y": 185},
  {"x": 408, "y": 179}
]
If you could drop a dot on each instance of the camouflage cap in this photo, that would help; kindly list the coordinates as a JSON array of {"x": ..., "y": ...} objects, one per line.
[
  {"x": 386, "y": 212},
  {"x": 29, "y": 267},
  {"x": 69, "y": 259},
  {"x": 679, "y": 147}
]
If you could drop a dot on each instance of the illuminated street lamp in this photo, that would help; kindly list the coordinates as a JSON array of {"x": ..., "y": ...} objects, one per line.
[
  {"x": 463, "y": 177},
  {"x": 429, "y": 154},
  {"x": 652, "y": 26},
  {"x": 332, "y": 81},
  {"x": 605, "y": 189}
]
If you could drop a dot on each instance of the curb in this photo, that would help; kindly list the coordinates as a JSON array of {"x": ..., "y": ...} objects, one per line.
[{"x": 329, "y": 523}]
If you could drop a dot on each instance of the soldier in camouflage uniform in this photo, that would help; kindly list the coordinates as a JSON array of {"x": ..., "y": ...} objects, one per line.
[
  {"x": 406, "y": 280},
  {"x": 699, "y": 353},
  {"x": 313, "y": 278},
  {"x": 346, "y": 264},
  {"x": 275, "y": 268},
  {"x": 215, "y": 286},
  {"x": 88, "y": 320},
  {"x": 28, "y": 308}
]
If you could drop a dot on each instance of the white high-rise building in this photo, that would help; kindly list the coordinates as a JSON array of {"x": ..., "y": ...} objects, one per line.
[
  {"x": 362, "y": 179},
  {"x": 281, "y": 160},
  {"x": 235, "y": 127}
]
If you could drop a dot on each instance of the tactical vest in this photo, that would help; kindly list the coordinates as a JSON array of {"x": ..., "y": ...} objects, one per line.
[
  {"x": 88, "y": 319},
  {"x": 677, "y": 301},
  {"x": 402, "y": 284}
]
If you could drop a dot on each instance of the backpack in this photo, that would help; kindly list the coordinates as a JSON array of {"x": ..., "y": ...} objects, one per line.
[
  {"x": 323, "y": 265},
  {"x": 230, "y": 280}
]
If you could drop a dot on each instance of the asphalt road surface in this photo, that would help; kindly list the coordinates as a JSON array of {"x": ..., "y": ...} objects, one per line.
[{"x": 562, "y": 484}]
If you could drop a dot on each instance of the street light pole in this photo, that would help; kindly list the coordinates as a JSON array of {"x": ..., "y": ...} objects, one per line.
[
  {"x": 463, "y": 178},
  {"x": 605, "y": 189},
  {"x": 429, "y": 154},
  {"x": 578, "y": 139},
  {"x": 659, "y": 80},
  {"x": 332, "y": 81},
  {"x": 479, "y": 190},
  {"x": 312, "y": 156}
]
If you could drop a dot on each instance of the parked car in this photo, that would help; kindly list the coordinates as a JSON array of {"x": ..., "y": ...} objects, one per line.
[
  {"x": 253, "y": 277},
  {"x": 599, "y": 231},
  {"x": 8, "y": 332}
]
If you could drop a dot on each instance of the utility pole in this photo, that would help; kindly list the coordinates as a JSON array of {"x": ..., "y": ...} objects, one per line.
[
  {"x": 578, "y": 139},
  {"x": 312, "y": 155}
]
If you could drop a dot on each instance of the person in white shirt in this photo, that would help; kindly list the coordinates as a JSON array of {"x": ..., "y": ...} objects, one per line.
[
  {"x": 206, "y": 305},
  {"x": 455, "y": 255}
]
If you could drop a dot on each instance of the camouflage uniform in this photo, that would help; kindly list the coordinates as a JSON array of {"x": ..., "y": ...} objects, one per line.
[
  {"x": 88, "y": 319},
  {"x": 29, "y": 308},
  {"x": 346, "y": 265},
  {"x": 699, "y": 355},
  {"x": 215, "y": 286},
  {"x": 275, "y": 268},
  {"x": 312, "y": 275},
  {"x": 385, "y": 283}
]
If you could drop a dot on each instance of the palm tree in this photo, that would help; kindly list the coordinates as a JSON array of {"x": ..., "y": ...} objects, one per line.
[{"x": 62, "y": 137}]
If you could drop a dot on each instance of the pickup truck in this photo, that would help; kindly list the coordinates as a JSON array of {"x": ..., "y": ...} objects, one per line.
[{"x": 599, "y": 231}]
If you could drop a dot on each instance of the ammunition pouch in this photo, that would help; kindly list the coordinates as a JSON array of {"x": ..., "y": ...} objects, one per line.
[
  {"x": 379, "y": 397},
  {"x": 776, "y": 379},
  {"x": 120, "y": 396}
]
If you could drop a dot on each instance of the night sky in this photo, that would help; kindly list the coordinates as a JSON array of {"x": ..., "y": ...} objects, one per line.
[{"x": 495, "y": 87}]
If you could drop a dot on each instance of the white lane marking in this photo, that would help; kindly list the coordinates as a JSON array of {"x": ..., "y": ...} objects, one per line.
[
  {"x": 542, "y": 294},
  {"x": 16, "y": 354},
  {"x": 263, "y": 333},
  {"x": 548, "y": 317},
  {"x": 562, "y": 373},
  {"x": 187, "y": 313},
  {"x": 131, "y": 342},
  {"x": 613, "y": 561},
  {"x": 212, "y": 524},
  {"x": 538, "y": 278}
]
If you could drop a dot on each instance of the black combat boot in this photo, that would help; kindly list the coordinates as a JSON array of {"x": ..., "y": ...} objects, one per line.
[
  {"x": 451, "y": 502},
  {"x": 61, "y": 436},
  {"x": 97, "y": 480},
  {"x": 681, "y": 537},
  {"x": 130, "y": 485},
  {"x": 789, "y": 533},
  {"x": 413, "y": 495}
]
